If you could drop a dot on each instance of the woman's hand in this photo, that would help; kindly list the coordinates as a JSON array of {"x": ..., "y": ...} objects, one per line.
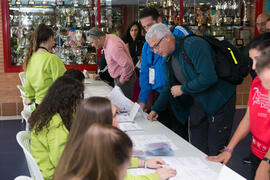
[
  {"x": 263, "y": 171},
  {"x": 223, "y": 157},
  {"x": 154, "y": 163},
  {"x": 165, "y": 173}
]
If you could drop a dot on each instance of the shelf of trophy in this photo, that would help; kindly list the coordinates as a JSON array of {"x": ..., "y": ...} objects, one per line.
[{"x": 69, "y": 22}]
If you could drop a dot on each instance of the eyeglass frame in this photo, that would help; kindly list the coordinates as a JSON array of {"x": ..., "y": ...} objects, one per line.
[{"x": 156, "y": 45}]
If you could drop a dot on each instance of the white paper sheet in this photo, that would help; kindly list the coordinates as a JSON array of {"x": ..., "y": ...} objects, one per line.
[
  {"x": 140, "y": 141},
  {"x": 226, "y": 173},
  {"x": 101, "y": 91},
  {"x": 118, "y": 98},
  {"x": 88, "y": 81},
  {"x": 187, "y": 168},
  {"x": 129, "y": 117},
  {"x": 129, "y": 126}
]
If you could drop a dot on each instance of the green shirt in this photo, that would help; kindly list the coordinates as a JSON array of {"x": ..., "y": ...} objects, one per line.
[
  {"x": 134, "y": 164},
  {"x": 47, "y": 146},
  {"x": 42, "y": 70}
]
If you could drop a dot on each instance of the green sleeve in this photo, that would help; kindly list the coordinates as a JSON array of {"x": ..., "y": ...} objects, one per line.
[
  {"x": 29, "y": 91},
  {"x": 152, "y": 176},
  {"x": 57, "y": 67},
  {"x": 134, "y": 162}
]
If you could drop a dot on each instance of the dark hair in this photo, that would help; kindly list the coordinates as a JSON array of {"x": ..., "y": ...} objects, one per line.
[
  {"x": 260, "y": 42},
  {"x": 98, "y": 154},
  {"x": 128, "y": 37},
  {"x": 75, "y": 74},
  {"x": 120, "y": 28},
  {"x": 263, "y": 61},
  {"x": 268, "y": 20},
  {"x": 91, "y": 110},
  {"x": 62, "y": 97},
  {"x": 149, "y": 11},
  {"x": 41, "y": 34}
]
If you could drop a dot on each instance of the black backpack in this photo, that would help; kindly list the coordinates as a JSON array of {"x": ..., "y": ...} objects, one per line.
[{"x": 230, "y": 63}]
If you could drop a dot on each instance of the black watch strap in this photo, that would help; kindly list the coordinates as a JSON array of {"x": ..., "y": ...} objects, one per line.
[{"x": 266, "y": 159}]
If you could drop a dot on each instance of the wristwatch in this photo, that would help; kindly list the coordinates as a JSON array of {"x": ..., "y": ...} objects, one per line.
[{"x": 266, "y": 159}]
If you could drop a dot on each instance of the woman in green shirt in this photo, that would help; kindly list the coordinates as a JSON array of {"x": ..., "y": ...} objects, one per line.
[
  {"x": 51, "y": 121},
  {"x": 99, "y": 110},
  {"x": 41, "y": 66}
]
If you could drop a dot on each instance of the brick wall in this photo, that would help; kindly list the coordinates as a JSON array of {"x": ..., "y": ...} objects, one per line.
[{"x": 10, "y": 101}]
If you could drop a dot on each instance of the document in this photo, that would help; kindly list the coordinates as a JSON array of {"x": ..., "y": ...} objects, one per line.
[
  {"x": 88, "y": 81},
  {"x": 118, "y": 98},
  {"x": 226, "y": 173},
  {"x": 129, "y": 126},
  {"x": 140, "y": 142},
  {"x": 187, "y": 168},
  {"x": 129, "y": 116},
  {"x": 101, "y": 91}
]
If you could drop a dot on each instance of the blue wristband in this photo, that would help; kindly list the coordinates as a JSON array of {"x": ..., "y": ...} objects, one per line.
[{"x": 228, "y": 149}]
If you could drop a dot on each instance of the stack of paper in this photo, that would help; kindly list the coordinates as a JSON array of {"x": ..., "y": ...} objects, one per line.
[
  {"x": 101, "y": 91},
  {"x": 187, "y": 168},
  {"x": 129, "y": 126}
]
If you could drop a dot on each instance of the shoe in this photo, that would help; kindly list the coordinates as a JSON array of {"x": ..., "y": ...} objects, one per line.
[{"x": 247, "y": 160}]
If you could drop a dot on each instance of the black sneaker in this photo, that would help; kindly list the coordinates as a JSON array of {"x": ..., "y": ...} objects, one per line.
[{"x": 247, "y": 160}]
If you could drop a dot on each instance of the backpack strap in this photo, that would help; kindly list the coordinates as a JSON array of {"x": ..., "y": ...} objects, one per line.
[{"x": 183, "y": 52}]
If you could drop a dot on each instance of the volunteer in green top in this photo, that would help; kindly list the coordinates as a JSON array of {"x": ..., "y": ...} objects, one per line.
[{"x": 41, "y": 66}]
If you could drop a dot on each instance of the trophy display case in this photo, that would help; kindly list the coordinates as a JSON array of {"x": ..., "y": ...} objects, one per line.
[{"x": 70, "y": 20}]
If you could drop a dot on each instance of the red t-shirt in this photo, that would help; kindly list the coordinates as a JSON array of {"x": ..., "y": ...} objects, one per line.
[{"x": 259, "y": 115}]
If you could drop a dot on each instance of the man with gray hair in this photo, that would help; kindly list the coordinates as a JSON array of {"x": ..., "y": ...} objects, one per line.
[
  {"x": 119, "y": 61},
  {"x": 213, "y": 106}
]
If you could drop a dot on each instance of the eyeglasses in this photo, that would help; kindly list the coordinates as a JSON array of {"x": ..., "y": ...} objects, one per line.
[
  {"x": 156, "y": 45},
  {"x": 261, "y": 24}
]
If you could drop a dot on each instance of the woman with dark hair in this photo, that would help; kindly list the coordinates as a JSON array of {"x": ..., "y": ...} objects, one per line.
[
  {"x": 135, "y": 42},
  {"x": 51, "y": 121},
  {"x": 75, "y": 74},
  {"x": 256, "y": 120},
  {"x": 99, "y": 110},
  {"x": 102, "y": 152},
  {"x": 41, "y": 66}
]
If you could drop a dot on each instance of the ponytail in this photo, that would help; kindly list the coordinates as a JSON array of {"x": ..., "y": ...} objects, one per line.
[{"x": 41, "y": 34}]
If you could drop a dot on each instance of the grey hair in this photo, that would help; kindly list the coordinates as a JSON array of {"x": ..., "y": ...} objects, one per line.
[
  {"x": 158, "y": 30},
  {"x": 95, "y": 33}
]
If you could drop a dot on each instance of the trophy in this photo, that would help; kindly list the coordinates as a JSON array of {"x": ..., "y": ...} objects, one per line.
[
  {"x": 86, "y": 3},
  {"x": 60, "y": 2},
  {"x": 18, "y": 2},
  {"x": 92, "y": 58},
  {"x": 44, "y": 2},
  {"x": 78, "y": 55},
  {"x": 75, "y": 3},
  {"x": 78, "y": 37},
  {"x": 31, "y": 2}
]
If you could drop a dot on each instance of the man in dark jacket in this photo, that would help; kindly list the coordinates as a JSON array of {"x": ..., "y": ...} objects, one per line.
[{"x": 212, "y": 110}]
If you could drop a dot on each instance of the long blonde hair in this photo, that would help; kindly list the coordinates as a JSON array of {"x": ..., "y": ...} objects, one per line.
[
  {"x": 97, "y": 155},
  {"x": 41, "y": 34}
]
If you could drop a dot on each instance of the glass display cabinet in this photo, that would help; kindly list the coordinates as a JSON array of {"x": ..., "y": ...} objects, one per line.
[{"x": 70, "y": 19}]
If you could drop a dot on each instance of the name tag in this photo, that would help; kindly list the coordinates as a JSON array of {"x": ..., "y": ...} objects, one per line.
[{"x": 151, "y": 75}]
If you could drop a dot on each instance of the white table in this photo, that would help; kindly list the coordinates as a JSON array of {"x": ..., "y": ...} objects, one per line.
[{"x": 185, "y": 149}]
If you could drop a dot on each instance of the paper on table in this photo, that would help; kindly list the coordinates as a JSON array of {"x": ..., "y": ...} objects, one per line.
[
  {"x": 140, "y": 141},
  {"x": 226, "y": 173},
  {"x": 118, "y": 98},
  {"x": 129, "y": 126},
  {"x": 188, "y": 168},
  {"x": 131, "y": 115},
  {"x": 97, "y": 90},
  {"x": 88, "y": 81}
]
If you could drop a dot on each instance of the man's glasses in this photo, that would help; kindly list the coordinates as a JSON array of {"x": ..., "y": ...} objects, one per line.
[{"x": 156, "y": 45}]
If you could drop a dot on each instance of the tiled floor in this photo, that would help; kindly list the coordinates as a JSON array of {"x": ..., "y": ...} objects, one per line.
[{"x": 13, "y": 163}]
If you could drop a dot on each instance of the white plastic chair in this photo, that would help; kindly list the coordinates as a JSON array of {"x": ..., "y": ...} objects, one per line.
[
  {"x": 23, "y": 138},
  {"x": 23, "y": 178},
  {"x": 25, "y": 116},
  {"x": 22, "y": 77}
]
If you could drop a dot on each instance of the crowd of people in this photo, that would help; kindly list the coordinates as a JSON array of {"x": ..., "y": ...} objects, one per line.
[{"x": 77, "y": 138}]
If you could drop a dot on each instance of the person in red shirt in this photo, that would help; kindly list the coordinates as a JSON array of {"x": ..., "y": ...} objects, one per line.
[{"x": 256, "y": 120}]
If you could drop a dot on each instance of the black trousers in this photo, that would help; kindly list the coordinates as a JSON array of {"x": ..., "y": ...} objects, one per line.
[
  {"x": 211, "y": 133},
  {"x": 168, "y": 119},
  {"x": 255, "y": 162}
]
